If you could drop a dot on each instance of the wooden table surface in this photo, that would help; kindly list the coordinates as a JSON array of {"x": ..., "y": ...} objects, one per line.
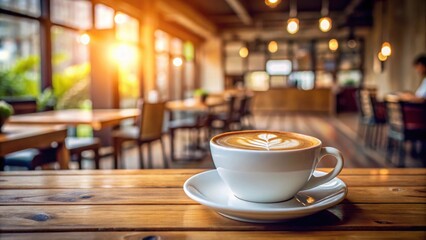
[
  {"x": 19, "y": 137},
  {"x": 134, "y": 204},
  {"x": 193, "y": 104},
  {"x": 97, "y": 118}
]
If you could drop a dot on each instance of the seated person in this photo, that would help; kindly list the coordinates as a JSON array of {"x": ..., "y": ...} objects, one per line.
[
  {"x": 420, "y": 65},
  {"x": 420, "y": 94}
]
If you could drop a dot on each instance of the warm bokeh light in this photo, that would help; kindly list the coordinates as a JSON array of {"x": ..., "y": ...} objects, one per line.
[
  {"x": 177, "y": 61},
  {"x": 381, "y": 57},
  {"x": 244, "y": 52},
  {"x": 333, "y": 44},
  {"x": 273, "y": 46},
  {"x": 120, "y": 18},
  {"x": 352, "y": 43},
  {"x": 325, "y": 24},
  {"x": 386, "y": 49},
  {"x": 292, "y": 25},
  {"x": 272, "y": 3},
  {"x": 84, "y": 39},
  {"x": 123, "y": 54}
]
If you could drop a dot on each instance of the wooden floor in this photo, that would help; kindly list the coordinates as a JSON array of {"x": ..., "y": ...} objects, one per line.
[{"x": 338, "y": 132}]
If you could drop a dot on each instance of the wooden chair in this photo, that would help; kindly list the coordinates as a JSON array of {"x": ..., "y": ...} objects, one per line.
[
  {"x": 222, "y": 121},
  {"x": 76, "y": 147},
  {"x": 407, "y": 123},
  {"x": 247, "y": 113},
  {"x": 149, "y": 129},
  {"x": 372, "y": 118},
  {"x": 31, "y": 158},
  {"x": 195, "y": 123}
]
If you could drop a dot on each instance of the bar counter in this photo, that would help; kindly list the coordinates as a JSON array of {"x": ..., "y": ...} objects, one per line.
[{"x": 293, "y": 99}]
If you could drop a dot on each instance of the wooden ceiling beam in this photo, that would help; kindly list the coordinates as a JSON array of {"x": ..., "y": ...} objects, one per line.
[{"x": 241, "y": 11}]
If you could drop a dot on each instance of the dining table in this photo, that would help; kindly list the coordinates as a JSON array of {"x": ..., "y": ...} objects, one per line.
[
  {"x": 15, "y": 138},
  {"x": 97, "y": 118},
  {"x": 151, "y": 204},
  {"x": 195, "y": 104}
]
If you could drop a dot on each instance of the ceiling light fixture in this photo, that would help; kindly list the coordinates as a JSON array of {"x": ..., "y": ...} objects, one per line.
[
  {"x": 293, "y": 21},
  {"x": 325, "y": 22},
  {"x": 272, "y": 3},
  {"x": 244, "y": 52},
  {"x": 333, "y": 44},
  {"x": 386, "y": 49},
  {"x": 273, "y": 46},
  {"x": 381, "y": 57}
]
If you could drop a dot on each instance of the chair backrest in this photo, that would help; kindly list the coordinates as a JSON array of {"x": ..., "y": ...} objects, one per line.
[
  {"x": 394, "y": 113},
  {"x": 151, "y": 119},
  {"x": 248, "y": 106},
  {"x": 365, "y": 104},
  {"x": 231, "y": 107}
]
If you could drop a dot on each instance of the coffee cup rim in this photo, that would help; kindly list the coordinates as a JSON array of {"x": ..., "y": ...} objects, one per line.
[{"x": 212, "y": 142}]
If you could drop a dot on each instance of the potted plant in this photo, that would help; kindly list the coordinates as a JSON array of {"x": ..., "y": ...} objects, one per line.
[
  {"x": 5, "y": 111},
  {"x": 201, "y": 94}
]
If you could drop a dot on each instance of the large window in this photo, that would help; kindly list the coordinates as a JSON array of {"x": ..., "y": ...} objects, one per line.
[
  {"x": 127, "y": 56},
  {"x": 71, "y": 69},
  {"x": 175, "y": 66},
  {"x": 19, "y": 56},
  {"x": 29, "y": 7},
  {"x": 70, "y": 53}
]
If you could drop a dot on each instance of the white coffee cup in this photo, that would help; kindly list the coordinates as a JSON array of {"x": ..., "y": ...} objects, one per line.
[{"x": 271, "y": 175}]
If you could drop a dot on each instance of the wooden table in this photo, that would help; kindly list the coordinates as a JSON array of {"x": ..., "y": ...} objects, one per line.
[
  {"x": 195, "y": 105},
  {"x": 133, "y": 204},
  {"x": 19, "y": 137},
  {"x": 97, "y": 118}
]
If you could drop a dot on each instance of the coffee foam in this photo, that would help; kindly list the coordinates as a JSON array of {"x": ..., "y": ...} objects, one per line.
[{"x": 264, "y": 140}]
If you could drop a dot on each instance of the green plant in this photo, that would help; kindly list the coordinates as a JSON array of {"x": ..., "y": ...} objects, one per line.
[
  {"x": 200, "y": 92},
  {"x": 46, "y": 100},
  {"x": 6, "y": 110},
  {"x": 21, "y": 79},
  {"x": 71, "y": 86}
]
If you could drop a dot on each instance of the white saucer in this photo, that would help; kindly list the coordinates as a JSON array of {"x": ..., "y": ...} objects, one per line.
[{"x": 208, "y": 189}]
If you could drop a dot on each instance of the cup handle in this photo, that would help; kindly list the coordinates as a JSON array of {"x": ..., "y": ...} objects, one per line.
[{"x": 316, "y": 181}]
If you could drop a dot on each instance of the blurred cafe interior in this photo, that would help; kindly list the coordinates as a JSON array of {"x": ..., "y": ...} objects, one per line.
[{"x": 131, "y": 84}]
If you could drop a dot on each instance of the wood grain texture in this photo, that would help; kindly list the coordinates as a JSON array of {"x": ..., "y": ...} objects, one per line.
[
  {"x": 175, "y": 196},
  {"x": 97, "y": 118},
  {"x": 345, "y": 171},
  {"x": 381, "y": 203},
  {"x": 173, "y": 180},
  {"x": 195, "y": 217},
  {"x": 193, "y": 235}
]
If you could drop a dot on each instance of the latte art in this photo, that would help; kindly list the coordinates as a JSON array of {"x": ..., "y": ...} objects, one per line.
[
  {"x": 261, "y": 140},
  {"x": 268, "y": 141}
]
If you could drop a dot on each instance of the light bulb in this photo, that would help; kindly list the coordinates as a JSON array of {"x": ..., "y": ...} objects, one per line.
[
  {"x": 333, "y": 44},
  {"x": 244, "y": 52},
  {"x": 84, "y": 39},
  {"x": 272, "y": 3},
  {"x": 381, "y": 57},
  {"x": 177, "y": 61},
  {"x": 325, "y": 24},
  {"x": 386, "y": 49},
  {"x": 292, "y": 25},
  {"x": 120, "y": 18},
  {"x": 272, "y": 47}
]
